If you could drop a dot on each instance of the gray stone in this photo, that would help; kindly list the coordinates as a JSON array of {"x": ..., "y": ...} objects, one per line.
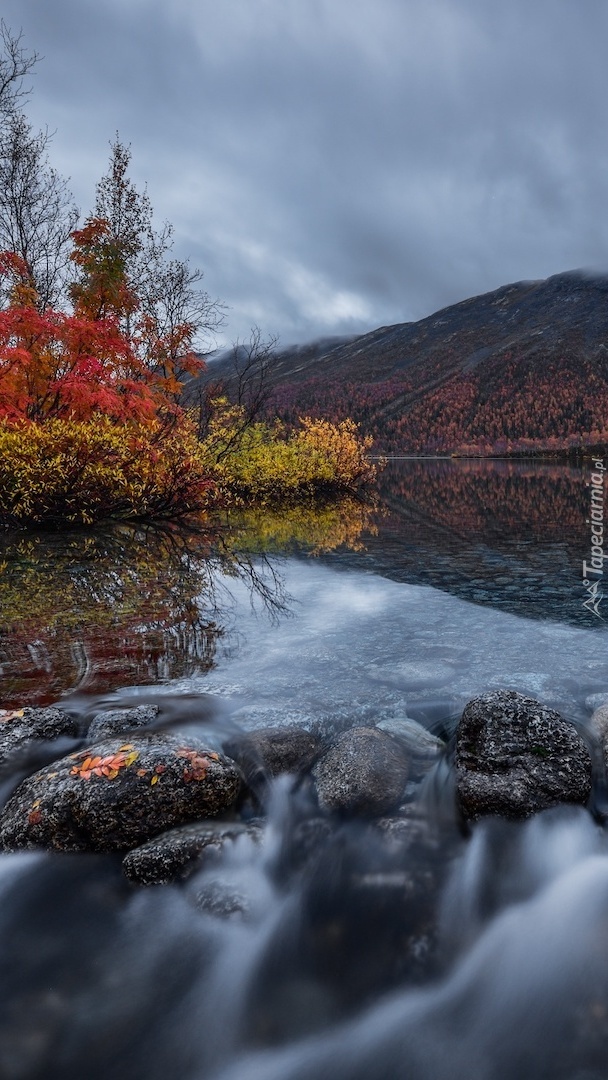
[
  {"x": 422, "y": 748},
  {"x": 271, "y": 751},
  {"x": 599, "y": 727},
  {"x": 515, "y": 757},
  {"x": 115, "y": 795},
  {"x": 364, "y": 771},
  {"x": 23, "y": 728},
  {"x": 122, "y": 721},
  {"x": 176, "y": 854},
  {"x": 222, "y": 899},
  {"x": 594, "y": 701}
]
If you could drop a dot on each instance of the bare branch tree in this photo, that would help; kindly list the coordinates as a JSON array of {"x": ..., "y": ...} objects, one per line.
[
  {"x": 244, "y": 381},
  {"x": 170, "y": 292},
  {"x": 15, "y": 64},
  {"x": 37, "y": 213}
]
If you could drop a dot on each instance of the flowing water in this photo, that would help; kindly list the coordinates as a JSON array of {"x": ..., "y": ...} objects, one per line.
[{"x": 333, "y": 954}]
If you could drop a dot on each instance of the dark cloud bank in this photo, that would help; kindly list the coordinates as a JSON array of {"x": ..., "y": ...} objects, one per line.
[{"x": 334, "y": 165}]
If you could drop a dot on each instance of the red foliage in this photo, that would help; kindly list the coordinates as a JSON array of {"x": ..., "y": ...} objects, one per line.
[
  {"x": 506, "y": 405},
  {"x": 99, "y": 358}
]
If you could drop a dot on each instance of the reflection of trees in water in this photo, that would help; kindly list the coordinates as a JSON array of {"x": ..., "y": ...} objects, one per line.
[
  {"x": 487, "y": 500},
  {"x": 143, "y": 603},
  {"x": 501, "y": 533}
]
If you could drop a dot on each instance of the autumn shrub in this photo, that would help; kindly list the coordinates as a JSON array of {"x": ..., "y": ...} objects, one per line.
[
  {"x": 261, "y": 463},
  {"x": 85, "y": 471}
]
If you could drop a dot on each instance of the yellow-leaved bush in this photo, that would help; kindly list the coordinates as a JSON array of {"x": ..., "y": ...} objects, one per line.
[
  {"x": 259, "y": 462},
  {"x": 85, "y": 471},
  {"x": 81, "y": 471}
]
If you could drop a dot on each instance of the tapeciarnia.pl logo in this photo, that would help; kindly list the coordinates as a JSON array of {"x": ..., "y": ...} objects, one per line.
[{"x": 593, "y": 571}]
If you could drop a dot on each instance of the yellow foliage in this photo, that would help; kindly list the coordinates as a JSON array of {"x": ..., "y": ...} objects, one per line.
[
  {"x": 80, "y": 472},
  {"x": 259, "y": 462},
  {"x": 85, "y": 471},
  {"x": 312, "y": 528}
]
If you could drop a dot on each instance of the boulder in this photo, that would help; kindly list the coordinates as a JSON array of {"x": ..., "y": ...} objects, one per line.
[
  {"x": 272, "y": 751},
  {"x": 176, "y": 854},
  {"x": 515, "y": 757},
  {"x": 20, "y": 729},
  {"x": 114, "y": 795},
  {"x": 364, "y": 771},
  {"x": 122, "y": 721},
  {"x": 422, "y": 748}
]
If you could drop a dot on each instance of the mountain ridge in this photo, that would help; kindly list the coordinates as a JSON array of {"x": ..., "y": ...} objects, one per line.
[{"x": 522, "y": 367}]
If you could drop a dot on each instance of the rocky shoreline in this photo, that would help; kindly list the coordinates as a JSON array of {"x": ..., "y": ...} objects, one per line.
[
  {"x": 355, "y": 837},
  {"x": 166, "y": 801}
]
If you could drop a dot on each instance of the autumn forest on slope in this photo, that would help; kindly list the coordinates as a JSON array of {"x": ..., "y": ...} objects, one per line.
[{"x": 522, "y": 369}]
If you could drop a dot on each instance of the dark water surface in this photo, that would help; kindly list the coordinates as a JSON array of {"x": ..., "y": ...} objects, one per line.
[{"x": 468, "y": 578}]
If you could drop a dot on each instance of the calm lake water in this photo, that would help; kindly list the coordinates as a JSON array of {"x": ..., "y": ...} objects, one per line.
[{"x": 466, "y": 577}]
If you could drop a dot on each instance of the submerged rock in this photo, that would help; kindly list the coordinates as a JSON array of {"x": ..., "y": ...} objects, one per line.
[
  {"x": 599, "y": 727},
  {"x": 122, "y": 721},
  {"x": 114, "y": 795},
  {"x": 364, "y": 771},
  {"x": 175, "y": 854},
  {"x": 271, "y": 751},
  {"x": 22, "y": 728},
  {"x": 515, "y": 757},
  {"x": 422, "y": 748}
]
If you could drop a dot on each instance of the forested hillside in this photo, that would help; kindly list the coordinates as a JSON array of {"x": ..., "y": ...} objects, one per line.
[{"x": 523, "y": 368}]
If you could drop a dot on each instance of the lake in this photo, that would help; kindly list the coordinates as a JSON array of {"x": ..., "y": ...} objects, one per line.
[{"x": 467, "y": 576}]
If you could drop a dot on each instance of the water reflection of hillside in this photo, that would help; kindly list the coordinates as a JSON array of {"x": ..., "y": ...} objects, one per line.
[
  {"x": 140, "y": 604},
  {"x": 509, "y": 534}
]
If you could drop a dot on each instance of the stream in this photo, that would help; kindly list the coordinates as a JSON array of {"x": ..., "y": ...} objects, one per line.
[{"x": 478, "y": 953}]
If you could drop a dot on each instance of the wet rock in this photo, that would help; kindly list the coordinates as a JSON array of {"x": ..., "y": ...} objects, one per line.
[
  {"x": 422, "y": 748},
  {"x": 594, "y": 701},
  {"x": 222, "y": 899},
  {"x": 515, "y": 757},
  {"x": 599, "y": 727},
  {"x": 122, "y": 721},
  {"x": 115, "y": 795},
  {"x": 175, "y": 854},
  {"x": 269, "y": 752},
  {"x": 22, "y": 728},
  {"x": 364, "y": 771}
]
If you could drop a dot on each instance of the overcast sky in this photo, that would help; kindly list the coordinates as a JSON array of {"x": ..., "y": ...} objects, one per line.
[{"x": 337, "y": 165}]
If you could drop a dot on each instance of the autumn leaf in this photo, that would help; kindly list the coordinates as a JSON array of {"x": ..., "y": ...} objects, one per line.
[
  {"x": 106, "y": 767},
  {"x": 10, "y": 714},
  {"x": 199, "y": 763}
]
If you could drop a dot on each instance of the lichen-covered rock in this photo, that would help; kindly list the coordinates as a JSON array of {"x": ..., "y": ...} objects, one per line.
[
  {"x": 175, "y": 854},
  {"x": 364, "y": 771},
  {"x": 515, "y": 757},
  {"x": 271, "y": 751},
  {"x": 115, "y": 795},
  {"x": 21, "y": 728}
]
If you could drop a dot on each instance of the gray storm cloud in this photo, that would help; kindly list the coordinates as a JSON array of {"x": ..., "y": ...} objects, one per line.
[{"x": 333, "y": 165}]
